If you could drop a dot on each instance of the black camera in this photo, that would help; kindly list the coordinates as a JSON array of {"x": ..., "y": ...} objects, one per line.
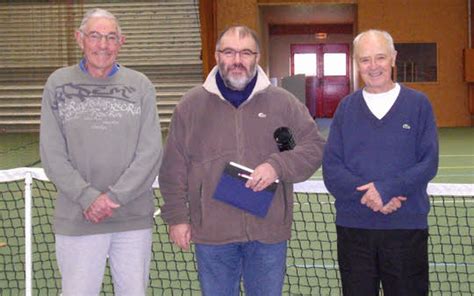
[{"x": 284, "y": 139}]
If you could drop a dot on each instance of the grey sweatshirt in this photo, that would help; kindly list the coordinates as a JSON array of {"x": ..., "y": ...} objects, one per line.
[{"x": 100, "y": 136}]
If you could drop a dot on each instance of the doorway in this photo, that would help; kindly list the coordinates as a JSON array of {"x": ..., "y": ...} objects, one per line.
[
  {"x": 327, "y": 25},
  {"x": 327, "y": 75}
]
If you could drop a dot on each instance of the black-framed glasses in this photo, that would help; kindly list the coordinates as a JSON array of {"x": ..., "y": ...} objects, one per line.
[
  {"x": 231, "y": 53},
  {"x": 96, "y": 37}
]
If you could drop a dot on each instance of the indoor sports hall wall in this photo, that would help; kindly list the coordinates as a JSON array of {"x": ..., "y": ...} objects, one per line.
[{"x": 444, "y": 22}]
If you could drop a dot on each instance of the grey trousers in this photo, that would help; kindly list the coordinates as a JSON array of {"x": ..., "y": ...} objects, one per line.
[{"x": 82, "y": 261}]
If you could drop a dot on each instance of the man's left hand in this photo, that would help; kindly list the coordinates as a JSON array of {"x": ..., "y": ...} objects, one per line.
[
  {"x": 262, "y": 176},
  {"x": 393, "y": 205}
]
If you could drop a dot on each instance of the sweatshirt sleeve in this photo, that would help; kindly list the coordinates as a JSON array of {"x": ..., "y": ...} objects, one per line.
[
  {"x": 143, "y": 170},
  {"x": 299, "y": 164},
  {"x": 54, "y": 155},
  {"x": 339, "y": 180},
  {"x": 426, "y": 167},
  {"x": 174, "y": 174}
]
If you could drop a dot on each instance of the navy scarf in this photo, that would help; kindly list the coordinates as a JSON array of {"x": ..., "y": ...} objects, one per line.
[{"x": 235, "y": 97}]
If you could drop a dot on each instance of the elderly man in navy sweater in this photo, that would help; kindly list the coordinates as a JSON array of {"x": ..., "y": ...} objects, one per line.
[{"x": 381, "y": 153}]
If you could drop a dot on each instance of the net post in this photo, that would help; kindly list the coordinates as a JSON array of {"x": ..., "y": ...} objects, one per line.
[{"x": 28, "y": 235}]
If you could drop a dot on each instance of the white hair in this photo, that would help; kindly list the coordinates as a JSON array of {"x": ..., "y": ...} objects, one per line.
[
  {"x": 102, "y": 13},
  {"x": 373, "y": 32}
]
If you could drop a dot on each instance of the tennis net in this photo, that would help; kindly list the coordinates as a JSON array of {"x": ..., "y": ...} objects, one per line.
[{"x": 311, "y": 263}]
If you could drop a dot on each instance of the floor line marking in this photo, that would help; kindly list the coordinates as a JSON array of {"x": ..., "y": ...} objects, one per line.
[
  {"x": 456, "y": 155},
  {"x": 455, "y": 167}
]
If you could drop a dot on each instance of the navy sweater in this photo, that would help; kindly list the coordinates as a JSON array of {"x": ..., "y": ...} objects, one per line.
[{"x": 399, "y": 153}]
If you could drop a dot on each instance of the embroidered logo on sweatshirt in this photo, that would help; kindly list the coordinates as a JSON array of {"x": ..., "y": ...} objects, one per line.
[
  {"x": 102, "y": 104},
  {"x": 262, "y": 115},
  {"x": 406, "y": 126}
]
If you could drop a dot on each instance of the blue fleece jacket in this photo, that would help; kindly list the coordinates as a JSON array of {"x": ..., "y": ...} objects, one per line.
[{"x": 399, "y": 153}]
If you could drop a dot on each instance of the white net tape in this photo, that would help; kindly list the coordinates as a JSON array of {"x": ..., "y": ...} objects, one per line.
[{"x": 434, "y": 189}]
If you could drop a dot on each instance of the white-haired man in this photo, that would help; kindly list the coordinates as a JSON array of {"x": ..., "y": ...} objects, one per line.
[
  {"x": 100, "y": 144},
  {"x": 381, "y": 153}
]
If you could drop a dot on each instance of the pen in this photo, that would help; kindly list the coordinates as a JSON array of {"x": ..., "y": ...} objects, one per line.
[
  {"x": 250, "y": 178},
  {"x": 244, "y": 176}
]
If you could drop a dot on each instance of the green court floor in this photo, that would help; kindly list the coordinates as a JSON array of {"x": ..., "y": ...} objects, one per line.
[{"x": 456, "y": 161}]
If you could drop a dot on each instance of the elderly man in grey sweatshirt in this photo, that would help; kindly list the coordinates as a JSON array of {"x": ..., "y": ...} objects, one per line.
[{"x": 100, "y": 144}]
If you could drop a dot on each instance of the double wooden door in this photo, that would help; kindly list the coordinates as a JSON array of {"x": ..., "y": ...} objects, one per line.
[{"x": 327, "y": 68}]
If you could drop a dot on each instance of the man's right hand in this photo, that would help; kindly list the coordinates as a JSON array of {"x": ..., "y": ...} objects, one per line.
[
  {"x": 180, "y": 235},
  {"x": 102, "y": 208},
  {"x": 371, "y": 197}
]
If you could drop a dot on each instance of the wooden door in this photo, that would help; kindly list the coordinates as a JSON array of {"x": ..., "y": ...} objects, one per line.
[{"x": 327, "y": 68}]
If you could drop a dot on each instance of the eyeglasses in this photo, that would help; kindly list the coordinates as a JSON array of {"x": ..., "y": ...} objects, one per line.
[
  {"x": 96, "y": 37},
  {"x": 244, "y": 53}
]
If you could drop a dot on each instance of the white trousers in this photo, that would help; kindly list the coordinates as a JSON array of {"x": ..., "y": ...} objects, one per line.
[{"x": 82, "y": 261}]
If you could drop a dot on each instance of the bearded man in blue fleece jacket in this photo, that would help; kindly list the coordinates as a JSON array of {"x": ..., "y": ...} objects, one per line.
[{"x": 381, "y": 153}]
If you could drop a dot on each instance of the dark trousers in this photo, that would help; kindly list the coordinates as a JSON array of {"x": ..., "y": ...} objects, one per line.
[{"x": 396, "y": 258}]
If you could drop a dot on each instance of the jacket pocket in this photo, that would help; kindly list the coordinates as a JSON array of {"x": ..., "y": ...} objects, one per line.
[
  {"x": 288, "y": 204},
  {"x": 195, "y": 203}
]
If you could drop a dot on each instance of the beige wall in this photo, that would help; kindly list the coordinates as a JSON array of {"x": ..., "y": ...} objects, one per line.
[
  {"x": 441, "y": 21},
  {"x": 231, "y": 12}
]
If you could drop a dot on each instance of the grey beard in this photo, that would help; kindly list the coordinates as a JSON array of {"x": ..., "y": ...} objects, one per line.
[
  {"x": 236, "y": 84},
  {"x": 239, "y": 84}
]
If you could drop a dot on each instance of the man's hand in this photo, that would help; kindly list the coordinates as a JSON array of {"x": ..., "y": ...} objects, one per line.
[
  {"x": 262, "y": 176},
  {"x": 103, "y": 207},
  {"x": 371, "y": 197},
  {"x": 394, "y": 204},
  {"x": 180, "y": 235}
]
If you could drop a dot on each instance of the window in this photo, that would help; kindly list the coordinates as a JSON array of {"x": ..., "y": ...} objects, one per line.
[
  {"x": 334, "y": 64},
  {"x": 416, "y": 62},
  {"x": 305, "y": 63}
]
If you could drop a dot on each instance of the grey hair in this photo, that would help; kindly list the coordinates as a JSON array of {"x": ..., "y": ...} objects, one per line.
[
  {"x": 102, "y": 13},
  {"x": 373, "y": 32},
  {"x": 243, "y": 31}
]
